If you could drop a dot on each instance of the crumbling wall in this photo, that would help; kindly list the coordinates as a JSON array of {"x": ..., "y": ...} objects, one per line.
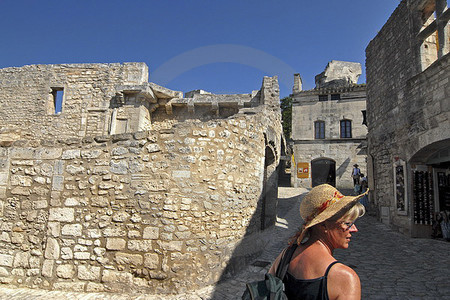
[{"x": 28, "y": 105}]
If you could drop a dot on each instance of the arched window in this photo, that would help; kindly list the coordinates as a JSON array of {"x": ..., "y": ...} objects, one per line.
[
  {"x": 319, "y": 129},
  {"x": 346, "y": 129}
]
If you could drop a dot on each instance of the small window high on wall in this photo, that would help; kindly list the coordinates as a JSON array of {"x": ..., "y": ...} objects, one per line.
[
  {"x": 346, "y": 129},
  {"x": 434, "y": 34},
  {"x": 319, "y": 130},
  {"x": 57, "y": 99}
]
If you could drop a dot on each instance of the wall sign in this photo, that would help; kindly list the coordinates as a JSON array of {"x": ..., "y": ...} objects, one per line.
[{"x": 303, "y": 170}]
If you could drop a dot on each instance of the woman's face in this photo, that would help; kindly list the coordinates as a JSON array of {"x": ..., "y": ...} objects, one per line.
[{"x": 340, "y": 233}]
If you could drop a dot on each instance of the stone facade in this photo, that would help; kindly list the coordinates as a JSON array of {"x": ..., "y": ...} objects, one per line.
[
  {"x": 322, "y": 152},
  {"x": 408, "y": 116},
  {"x": 163, "y": 208}
]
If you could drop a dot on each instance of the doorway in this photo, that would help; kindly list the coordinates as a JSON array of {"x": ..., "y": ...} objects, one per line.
[{"x": 323, "y": 170}]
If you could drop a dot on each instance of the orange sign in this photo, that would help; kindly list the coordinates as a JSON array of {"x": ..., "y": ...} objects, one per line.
[{"x": 302, "y": 170}]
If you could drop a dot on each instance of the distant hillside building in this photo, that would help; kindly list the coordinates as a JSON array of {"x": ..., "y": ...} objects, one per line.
[
  {"x": 328, "y": 131},
  {"x": 408, "y": 115}
]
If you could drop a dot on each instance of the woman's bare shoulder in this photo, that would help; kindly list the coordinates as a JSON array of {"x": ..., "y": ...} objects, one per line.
[{"x": 343, "y": 283}]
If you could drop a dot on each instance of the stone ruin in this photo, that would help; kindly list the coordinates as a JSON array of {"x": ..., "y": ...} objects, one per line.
[
  {"x": 338, "y": 74},
  {"x": 109, "y": 182}
]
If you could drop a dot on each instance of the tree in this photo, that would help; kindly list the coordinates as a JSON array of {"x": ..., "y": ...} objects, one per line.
[{"x": 286, "y": 115}]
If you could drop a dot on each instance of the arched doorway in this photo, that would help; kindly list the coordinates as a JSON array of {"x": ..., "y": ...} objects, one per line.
[{"x": 323, "y": 170}]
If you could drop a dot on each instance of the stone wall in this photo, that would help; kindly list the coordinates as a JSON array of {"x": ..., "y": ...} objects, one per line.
[
  {"x": 156, "y": 211},
  {"x": 407, "y": 108},
  {"x": 161, "y": 211},
  {"x": 28, "y": 106}
]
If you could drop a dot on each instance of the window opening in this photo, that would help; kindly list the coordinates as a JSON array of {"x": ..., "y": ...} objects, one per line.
[
  {"x": 434, "y": 32},
  {"x": 335, "y": 96},
  {"x": 319, "y": 130},
  {"x": 58, "y": 95},
  {"x": 323, "y": 97},
  {"x": 346, "y": 129}
]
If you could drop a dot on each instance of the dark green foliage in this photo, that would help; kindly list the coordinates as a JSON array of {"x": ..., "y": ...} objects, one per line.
[{"x": 286, "y": 114}]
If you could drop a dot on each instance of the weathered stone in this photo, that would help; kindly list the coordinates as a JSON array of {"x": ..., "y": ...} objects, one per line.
[
  {"x": 58, "y": 183},
  {"x": 21, "y": 260},
  {"x": 120, "y": 167},
  {"x": 128, "y": 259},
  {"x": 52, "y": 249},
  {"x": 151, "y": 148},
  {"x": 151, "y": 233},
  {"x": 86, "y": 272},
  {"x": 72, "y": 229},
  {"x": 115, "y": 276},
  {"x": 151, "y": 261},
  {"x": 62, "y": 214},
  {"x": 115, "y": 244},
  {"x": 65, "y": 271},
  {"x": 171, "y": 245},
  {"x": 141, "y": 246},
  {"x": 47, "y": 268},
  {"x": 71, "y": 154},
  {"x": 90, "y": 154},
  {"x": 6, "y": 260},
  {"x": 339, "y": 73}
]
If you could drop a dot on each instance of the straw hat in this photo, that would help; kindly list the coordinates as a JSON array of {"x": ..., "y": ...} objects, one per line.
[{"x": 323, "y": 202}]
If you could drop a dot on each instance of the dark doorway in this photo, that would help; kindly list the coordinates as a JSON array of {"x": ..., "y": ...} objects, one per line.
[{"x": 323, "y": 170}]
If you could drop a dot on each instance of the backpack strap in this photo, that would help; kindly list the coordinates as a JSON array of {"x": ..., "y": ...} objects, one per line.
[{"x": 285, "y": 260}]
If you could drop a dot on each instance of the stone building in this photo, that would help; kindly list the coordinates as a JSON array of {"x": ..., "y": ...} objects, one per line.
[
  {"x": 109, "y": 182},
  {"x": 408, "y": 115},
  {"x": 328, "y": 131}
]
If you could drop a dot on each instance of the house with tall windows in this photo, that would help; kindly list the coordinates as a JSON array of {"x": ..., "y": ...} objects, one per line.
[{"x": 328, "y": 127}]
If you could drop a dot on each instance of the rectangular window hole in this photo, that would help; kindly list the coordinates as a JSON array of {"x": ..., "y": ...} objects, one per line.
[{"x": 58, "y": 94}]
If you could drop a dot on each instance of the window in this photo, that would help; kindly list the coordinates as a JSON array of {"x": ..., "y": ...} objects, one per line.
[
  {"x": 346, "y": 129},
  {"x": 319, "y": 130},
  {"x": 57, "y": 99},
  {"x": 335, "y": 96},
  {"x": 432, "y": 36},
  {"x": 323, "y": 97}
]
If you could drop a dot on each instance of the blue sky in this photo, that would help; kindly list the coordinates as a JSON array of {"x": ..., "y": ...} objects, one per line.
[{"x": 218, "y": 46}]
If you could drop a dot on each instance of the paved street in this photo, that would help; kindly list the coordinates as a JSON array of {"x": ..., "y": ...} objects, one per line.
[{"x": 390, "y": 265}]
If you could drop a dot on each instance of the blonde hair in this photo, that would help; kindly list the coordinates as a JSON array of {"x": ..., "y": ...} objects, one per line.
[{"x": 355, "y": 212}]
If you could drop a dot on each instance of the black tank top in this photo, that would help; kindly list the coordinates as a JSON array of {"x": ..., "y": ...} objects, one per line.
[{"x": 306, "y": 289}]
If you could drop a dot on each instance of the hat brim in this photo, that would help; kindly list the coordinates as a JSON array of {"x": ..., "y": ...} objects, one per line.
[{"x": 335, "y": 208}]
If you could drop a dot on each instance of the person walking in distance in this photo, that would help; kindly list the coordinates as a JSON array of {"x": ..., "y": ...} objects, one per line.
[
  {"x": 356, "y": 174},
  {"x": 329, "y": 223}
]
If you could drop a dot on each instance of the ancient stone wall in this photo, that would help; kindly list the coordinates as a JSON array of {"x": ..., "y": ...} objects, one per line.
[
  {"x": 27, "y": 99},
  {"x": 155, "y": 211},
  {"x": 161, "y": 211},
  {"x": 407, "y": 108}
]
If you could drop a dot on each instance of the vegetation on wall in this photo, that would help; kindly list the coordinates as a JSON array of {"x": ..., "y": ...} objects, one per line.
[{"x": 286, "y": 114}]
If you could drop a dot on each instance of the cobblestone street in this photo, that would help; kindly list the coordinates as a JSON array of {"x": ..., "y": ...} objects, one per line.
[{"x": 390, "y": 265}]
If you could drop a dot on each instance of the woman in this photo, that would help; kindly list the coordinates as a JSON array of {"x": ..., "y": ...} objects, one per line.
[{"x": 313, "y": 272}]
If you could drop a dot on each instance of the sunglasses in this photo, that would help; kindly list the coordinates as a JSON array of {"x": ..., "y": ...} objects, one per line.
[{"x": 348, "y": 225}]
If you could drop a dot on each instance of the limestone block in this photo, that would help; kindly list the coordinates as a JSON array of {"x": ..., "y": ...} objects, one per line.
[
  {"x": 58, "y": 167},
  {"x": 32, "y": 153},
  {"x": 81, "y": 255},
  {"x": 21, "y": 180},
  {"x": 129, "y": 259},
  {"x": 53, "y": 229},
  {"x": 99, "y": 201},
  {"x": 114, "y": 231},
  {"x": 4, "y": 237},
  {"x": 72, "y": 229},
  {"x": 86, "y": 272},
  {"x": 58, "y": 183},
  {"x": 17, "y": 238},
  {"x": 22, "y": 260},
  {"x": 139, "y": 245},
  {"x": 62, "y": 214},
  {"x": 120, "y": 216},
  {"x": 151, "y": 261},
  {"x": 6, "y": 260},
  {"x": 66, "y": 253},
  {"x": 120, "y": 167},
  {"x": 52, "y": 249},
  {"x": 73, "y": 170},
  {"x": 171, "y": 245},
  {"x": 4, "y": 272},
  {"x": 115, "y": 244},
  {"x": 115, "y": 276},
  {"x": 71, "y": 154},
  {"x": 21, "y": 191},
  {"x": 47, "y": 268},
  {"x": 69, "y": 286},
  {"x": 93, "y": 233},
  {"x": 65, "y": 271},
  {"x": 151, "y": 148},
  {"x": 40, "y": 204},
  {"x": 93, "y": 287},
  {"x": 151, "y": 233},
  {"x": 89, "y": 154},
  {"x": 118, "y": 151}
]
